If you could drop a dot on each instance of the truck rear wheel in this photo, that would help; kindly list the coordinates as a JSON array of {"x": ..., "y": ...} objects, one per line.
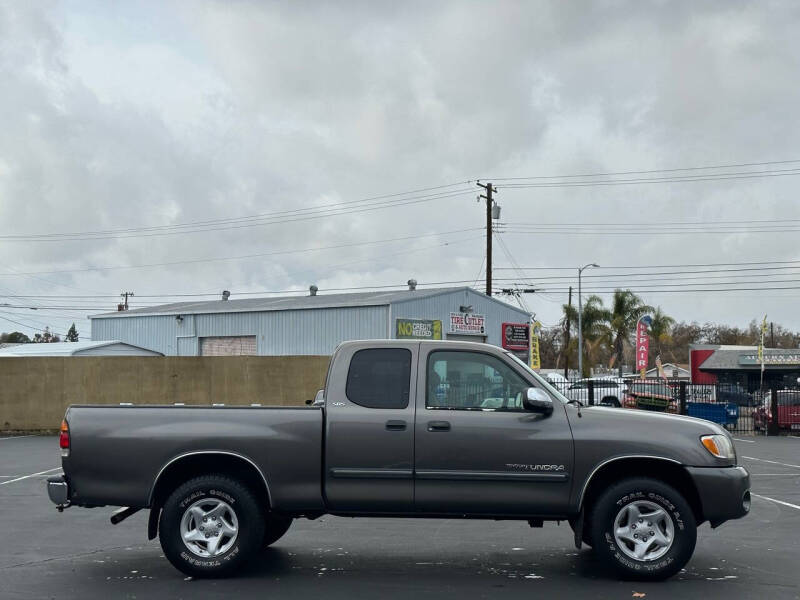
[
  {"x": 275, "y": 528},
  {"x": 210, "y": 526},
  {"x": 643, "y": 528}
]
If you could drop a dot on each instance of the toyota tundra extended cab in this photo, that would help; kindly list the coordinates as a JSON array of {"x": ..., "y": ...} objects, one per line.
[{"x": 406, "y": 429}]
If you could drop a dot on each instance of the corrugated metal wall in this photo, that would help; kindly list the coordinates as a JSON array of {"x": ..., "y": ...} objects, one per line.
[
  {"x": 300, "y": 332},
  {"x": 280, "y": 333},
  {"x": 440, "y": 307}
]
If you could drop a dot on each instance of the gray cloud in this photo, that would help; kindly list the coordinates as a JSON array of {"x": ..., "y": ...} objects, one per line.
[{"x": 128, "y": 117}]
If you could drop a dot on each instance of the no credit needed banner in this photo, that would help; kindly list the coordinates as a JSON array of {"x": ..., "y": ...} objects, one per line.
[{"x": 418, "y": 329}]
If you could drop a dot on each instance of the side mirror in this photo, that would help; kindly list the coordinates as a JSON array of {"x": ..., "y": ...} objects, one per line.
[
  {"x": 319, "y": 399},
  {"x": 538, "y": 401}
]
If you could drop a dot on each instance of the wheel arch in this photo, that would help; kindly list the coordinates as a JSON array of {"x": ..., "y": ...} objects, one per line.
[
  {"x": 666, "y": 470},
  {"x": 185, "y": 466}
]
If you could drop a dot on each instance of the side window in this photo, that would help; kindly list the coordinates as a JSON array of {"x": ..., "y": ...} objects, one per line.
[
  {"x": 379, "y": 378},
  {"x": 472, "y": 381}
]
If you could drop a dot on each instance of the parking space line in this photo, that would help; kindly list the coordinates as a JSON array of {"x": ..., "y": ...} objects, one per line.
[
  {"x": 781, "y": 502},
  {"x": 774, "y": 474},
  {"x": 16, "y": 437},
  {"x": 745, "y": 441},
  {"x": 774, "y": 462},
  {"x": 29, "y": 476}
]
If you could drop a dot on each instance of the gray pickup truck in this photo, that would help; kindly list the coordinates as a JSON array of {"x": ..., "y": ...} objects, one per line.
[{"x": 406, "y": 429}]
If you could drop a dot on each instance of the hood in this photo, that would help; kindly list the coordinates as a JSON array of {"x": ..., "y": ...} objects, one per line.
[{"x": 622, "y": 431}]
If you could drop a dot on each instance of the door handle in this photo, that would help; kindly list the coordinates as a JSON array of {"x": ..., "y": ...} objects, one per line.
[
  {"x": 395, "y": 425},
  {"x": 438, "y": 426}
]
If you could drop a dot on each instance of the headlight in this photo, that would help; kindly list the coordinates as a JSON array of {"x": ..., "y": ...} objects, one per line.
[{"x": 719, "y": 445}]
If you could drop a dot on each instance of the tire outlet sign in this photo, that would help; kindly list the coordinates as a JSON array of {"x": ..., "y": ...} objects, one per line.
[{"x": 467, "y": 323}]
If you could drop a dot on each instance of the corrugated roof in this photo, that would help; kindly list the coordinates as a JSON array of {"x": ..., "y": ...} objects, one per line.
[
  {"x": 286, "y": 303},
  {"x": 57, "y": 348},
  {"x": 728, "y": 357}
]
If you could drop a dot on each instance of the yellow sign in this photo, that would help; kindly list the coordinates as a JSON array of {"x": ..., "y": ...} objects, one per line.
[{"x": 535, "y": 359}]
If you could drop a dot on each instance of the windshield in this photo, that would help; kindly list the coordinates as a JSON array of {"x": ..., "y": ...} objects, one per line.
[{"x": 539, "y": 379}]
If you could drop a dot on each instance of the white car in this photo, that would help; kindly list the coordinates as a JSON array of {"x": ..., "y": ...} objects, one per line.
[
  {"x": 557, "y": 380},
  {"x": 608, "y": 391}
]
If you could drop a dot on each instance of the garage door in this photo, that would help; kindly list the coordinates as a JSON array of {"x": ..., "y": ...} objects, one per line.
[{"x": 243, "y": 345}]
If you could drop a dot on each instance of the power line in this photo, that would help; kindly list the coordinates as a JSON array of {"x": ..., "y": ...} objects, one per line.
[
  {"x": 640, "y": 232},
  {"x": 674, "y": 170},
  {"x": 267, "y": 219},
  {"x": 645, "y": 180},
  {"x": 600, "y": 279},
  {"x": 651, "y": 223},
  {"x": 663, "y": 266},
  {"x": 246, "y": 256},
  {"x": 693, "y": 272}
]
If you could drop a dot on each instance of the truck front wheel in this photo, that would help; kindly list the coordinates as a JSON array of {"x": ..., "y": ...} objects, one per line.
[
  {"x": 210, "y": 526},
  {"x": 643, "y": 528}
]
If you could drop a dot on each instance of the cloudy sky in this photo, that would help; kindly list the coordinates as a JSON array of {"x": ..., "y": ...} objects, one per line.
[{"x": 266, "y": 146}]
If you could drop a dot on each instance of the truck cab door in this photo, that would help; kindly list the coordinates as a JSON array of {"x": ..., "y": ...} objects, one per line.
[
  {"x": 477, "y": 449},
  {"x": 369, "y": 429}
]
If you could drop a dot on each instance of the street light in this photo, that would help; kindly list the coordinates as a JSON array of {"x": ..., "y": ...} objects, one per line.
[{"x": 580, "y": 324}]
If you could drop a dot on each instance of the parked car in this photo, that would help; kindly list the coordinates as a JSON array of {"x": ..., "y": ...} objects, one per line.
[
  {"x": 734, "y": 393},
  {"x": 557, "y": 380},
  {"x": 405, "y": 432},
  {"x": 608, "y": 391},
  {"x": 651, "y": 395},
  {"x": 788, "y": 411}
]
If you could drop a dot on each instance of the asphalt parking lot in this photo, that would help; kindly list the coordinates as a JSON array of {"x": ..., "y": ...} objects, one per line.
[{"x": 79, "y": 554}]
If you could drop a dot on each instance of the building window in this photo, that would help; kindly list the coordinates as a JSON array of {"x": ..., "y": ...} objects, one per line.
[
  {"x": 380, "y": 378},
  {"x": 472, "y": 381}
]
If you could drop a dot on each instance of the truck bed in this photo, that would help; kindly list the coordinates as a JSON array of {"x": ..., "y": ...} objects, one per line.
[{"x": 118, "y": 452}]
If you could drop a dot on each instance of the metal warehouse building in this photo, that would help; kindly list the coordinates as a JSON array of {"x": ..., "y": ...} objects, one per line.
[{"x": 308, "y": 325}]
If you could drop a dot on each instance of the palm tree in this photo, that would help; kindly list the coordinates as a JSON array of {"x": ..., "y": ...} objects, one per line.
[
  {"x": 594, "y": 323},
  {"x": 660, "y": 329},
  {"x": 626, "y": 309}
]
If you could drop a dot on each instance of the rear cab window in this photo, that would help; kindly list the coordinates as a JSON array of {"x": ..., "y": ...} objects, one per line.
[{"x": 379, "y": 378}]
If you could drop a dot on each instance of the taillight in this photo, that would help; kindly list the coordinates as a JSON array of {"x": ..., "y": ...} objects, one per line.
[{"x": 63, "y": 438}]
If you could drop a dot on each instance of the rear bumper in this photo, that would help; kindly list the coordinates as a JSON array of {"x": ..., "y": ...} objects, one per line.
[
  {"x": 58, "y": 490},
  {"x": 724, "y": 492}
]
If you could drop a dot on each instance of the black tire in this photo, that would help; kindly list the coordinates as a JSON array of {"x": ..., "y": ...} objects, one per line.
[
  {"x": 219, "y": 490},
  {"x": 648, "y": 495},
  {"x": 275, "y": 528}
]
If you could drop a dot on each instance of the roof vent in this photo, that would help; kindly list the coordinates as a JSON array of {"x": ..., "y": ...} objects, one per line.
[
  {"x": 412, "y": 284},
  {"x": 313, "y": 290},
  {"x": 225, "y": 294}
]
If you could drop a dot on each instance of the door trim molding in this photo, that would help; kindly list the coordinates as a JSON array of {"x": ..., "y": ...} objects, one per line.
[
  {"x": 452, "y": 475},
  {"x": 371, "y": 473}
]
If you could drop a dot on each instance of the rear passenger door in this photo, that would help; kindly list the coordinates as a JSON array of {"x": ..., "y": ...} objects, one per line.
[{"x": 369, "y": 438}]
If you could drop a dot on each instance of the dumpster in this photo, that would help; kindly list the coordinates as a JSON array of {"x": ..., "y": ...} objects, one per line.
[{"x": 725, "y": 414}]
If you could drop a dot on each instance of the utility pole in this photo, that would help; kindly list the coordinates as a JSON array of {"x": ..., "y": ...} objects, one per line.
[
  {"x": 566, "y": 336},
  {"x": 125, "y": 295},
  {"x": 489, "y": 215}
]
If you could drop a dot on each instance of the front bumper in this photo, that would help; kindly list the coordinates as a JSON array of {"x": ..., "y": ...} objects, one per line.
[
  {"x": 58, "y": 490},
  {"x": 724, "y": 492}
]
